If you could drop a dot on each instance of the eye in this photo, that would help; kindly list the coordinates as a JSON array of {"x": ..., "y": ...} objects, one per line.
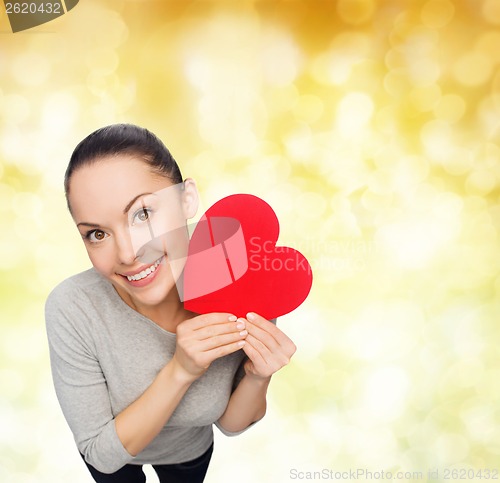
[
  {"x": 141, "y": 216},
  {"x": 95, "y": 236}
]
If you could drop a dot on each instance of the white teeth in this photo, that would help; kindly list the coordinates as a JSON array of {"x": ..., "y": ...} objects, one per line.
[{"x": 145, "y": 272}]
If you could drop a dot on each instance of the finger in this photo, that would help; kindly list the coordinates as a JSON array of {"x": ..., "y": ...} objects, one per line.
[
  {"x": 264, "y": 324},
  {"x": 264, "y": 360},
  {"x": 220, "y": 340},
  {"x": 262, "y": 336},
  {"x": 253, "y": 354},
  {"x": 224, "y": 350},
  {"x": 263, "y": 351},
  {"x": 213, "y": 318},
  {"x": 219, "y": 329}
]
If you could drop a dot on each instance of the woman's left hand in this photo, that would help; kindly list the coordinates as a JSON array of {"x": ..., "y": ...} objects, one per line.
[{"x": 267, "y": 347}]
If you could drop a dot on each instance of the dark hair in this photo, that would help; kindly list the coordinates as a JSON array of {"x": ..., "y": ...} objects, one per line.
[{"x": 123, "y": 139}]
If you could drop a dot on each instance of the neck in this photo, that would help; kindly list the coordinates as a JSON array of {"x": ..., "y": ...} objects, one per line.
[{"x": 168, "y": 314}]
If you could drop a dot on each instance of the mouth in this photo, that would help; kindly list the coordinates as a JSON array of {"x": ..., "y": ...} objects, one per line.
[{"x": 145, "y": 273}]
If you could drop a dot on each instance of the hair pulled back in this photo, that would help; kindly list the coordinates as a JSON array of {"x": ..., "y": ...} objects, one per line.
[{"x": 118, "y": 139}]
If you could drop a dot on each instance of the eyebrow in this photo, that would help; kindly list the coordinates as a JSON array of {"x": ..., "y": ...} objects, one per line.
[
  {"x": 133, "y": 200},
  {"x": 125, "y": 210},
  {"x": 93, "y": 225}
]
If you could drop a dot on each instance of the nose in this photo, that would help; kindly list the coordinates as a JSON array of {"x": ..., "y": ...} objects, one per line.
[{"x": 124, "y": 249}]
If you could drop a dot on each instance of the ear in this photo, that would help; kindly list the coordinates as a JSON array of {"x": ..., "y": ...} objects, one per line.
[{"x": 190, "y": 200}]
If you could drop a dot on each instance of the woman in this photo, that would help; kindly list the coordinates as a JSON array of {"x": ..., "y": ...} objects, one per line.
[{"x": 140, "y": 379}]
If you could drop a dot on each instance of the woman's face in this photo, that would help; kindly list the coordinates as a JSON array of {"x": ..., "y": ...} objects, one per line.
[{"x": 120, "y": 207}]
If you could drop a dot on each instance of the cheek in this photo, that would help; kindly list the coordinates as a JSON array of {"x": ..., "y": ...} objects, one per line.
[
  {"x": 102, "y": 259},
  {"x": 141, "y": 236}
]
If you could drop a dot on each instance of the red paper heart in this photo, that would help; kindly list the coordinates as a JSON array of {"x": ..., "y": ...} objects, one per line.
[{"x": 234, "y": 265}]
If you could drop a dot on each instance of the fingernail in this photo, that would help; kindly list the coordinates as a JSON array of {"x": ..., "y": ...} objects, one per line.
[
  {"x": 232, "y": 318},
  {"x": 251, "y": 316},
  {"x": 243, "y": 333},
  {"x": 240, "y": 325},
  {"x": 241, "y": 343}
]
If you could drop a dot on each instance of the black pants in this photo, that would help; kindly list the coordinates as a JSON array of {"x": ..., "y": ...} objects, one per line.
[{"x": 193, "y": 471}]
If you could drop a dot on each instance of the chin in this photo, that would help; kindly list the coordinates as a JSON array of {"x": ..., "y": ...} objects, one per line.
[{"x": 157, "y": 297}]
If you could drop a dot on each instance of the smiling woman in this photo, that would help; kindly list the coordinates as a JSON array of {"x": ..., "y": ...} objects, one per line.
[
  {"x": 140, "y": 379},
  {"x": 100, "y": 196}
]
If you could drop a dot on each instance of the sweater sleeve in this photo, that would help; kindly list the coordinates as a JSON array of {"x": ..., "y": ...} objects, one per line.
[{"x": 80, "y": 384}]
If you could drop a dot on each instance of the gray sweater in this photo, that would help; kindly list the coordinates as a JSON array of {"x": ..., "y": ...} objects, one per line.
[{"x": 104, "y": 355}]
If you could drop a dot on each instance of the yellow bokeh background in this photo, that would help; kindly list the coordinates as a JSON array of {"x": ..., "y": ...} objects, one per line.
[{"x": 372, "y": 127}]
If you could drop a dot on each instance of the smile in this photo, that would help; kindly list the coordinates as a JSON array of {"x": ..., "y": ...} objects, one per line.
[{"x": 144, "y": 273}]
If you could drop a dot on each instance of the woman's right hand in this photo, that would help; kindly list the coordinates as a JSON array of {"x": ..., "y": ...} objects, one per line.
[{"x": 203, "y": 339}]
